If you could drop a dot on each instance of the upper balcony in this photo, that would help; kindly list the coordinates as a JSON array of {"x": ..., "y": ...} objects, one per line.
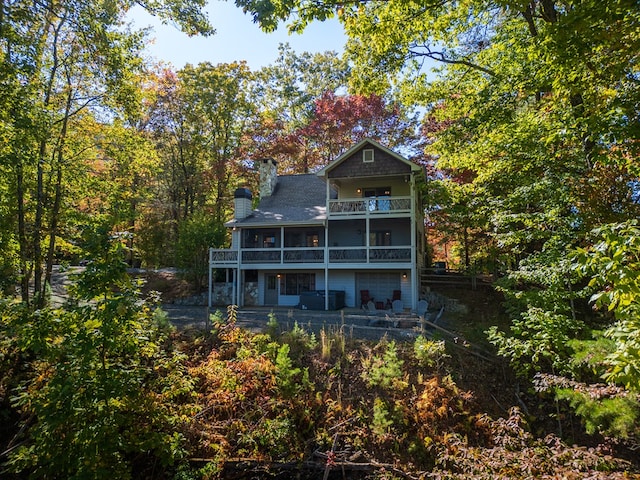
[
  {"x": 371, "y": 206},
  {"x": 226, "y": 258}
]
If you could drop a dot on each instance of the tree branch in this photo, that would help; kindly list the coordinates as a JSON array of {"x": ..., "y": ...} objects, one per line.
[{"x": 441, "y": 57}]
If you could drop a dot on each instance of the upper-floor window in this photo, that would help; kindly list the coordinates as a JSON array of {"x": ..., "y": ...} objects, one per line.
[
  {"x": 302, "y": 239},
  {"x": 377, "y": 192},
  {"x": 313, "y": 239},
  {"x": 260, "y": 239},
  {"x": 367, "y": 155},
  {"x": 380, "y": 238}
]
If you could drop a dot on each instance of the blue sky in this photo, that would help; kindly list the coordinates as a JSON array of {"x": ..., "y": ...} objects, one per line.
[{"x": 236, "y": 38}]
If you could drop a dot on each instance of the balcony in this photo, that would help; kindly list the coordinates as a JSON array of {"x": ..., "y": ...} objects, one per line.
[
  {"x": 369, "y": 206},
  {"x": 336, "y": 255},
  {"x": 223, "y": 258}
]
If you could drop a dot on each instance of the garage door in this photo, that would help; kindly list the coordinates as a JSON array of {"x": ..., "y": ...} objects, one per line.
[{"x": 380, "y": 284}]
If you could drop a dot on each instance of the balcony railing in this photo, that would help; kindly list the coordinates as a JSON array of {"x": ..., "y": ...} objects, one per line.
[
  {"x": 348, "y": 255},
  {"x": 268, "y": 255},
  {"x": 277, "y": 256},
  {"x": 390, "y": 254},
  {"x": 303, "y": 255},
  {"x": 370, "y": 206},
  {"x": 223, "y": 257}
]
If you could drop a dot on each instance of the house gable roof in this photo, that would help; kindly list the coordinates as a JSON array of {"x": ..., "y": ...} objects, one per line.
[
  {"x": 350, "y": 163},
  {"x": 297, "y": 199}
]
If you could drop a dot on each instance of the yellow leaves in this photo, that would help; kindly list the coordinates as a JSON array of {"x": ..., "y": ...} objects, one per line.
[{"x": 92, "y": 323}]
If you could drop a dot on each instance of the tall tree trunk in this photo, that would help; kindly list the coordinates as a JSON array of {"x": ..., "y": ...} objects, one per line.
[
  {"x": 38, "y": 290},
  {"x": 465, "y": 236},
  {"x": 55, "y": 209},
  {"x": 22, "y": 234}
]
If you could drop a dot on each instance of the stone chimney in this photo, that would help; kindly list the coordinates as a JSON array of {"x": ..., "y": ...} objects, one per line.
[
  {"x": 241, "y": 203},
  {"x": 268, "y": 176}
]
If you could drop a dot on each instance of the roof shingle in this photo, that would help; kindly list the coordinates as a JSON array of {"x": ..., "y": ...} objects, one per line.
[{"x": 296, "y": 199}]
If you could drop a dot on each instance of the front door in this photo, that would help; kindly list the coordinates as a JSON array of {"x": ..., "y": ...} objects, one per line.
[{"x": 271, "y": 289}]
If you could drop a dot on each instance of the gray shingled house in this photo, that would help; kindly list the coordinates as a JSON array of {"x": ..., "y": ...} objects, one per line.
[{"x": 354, "y": 229}]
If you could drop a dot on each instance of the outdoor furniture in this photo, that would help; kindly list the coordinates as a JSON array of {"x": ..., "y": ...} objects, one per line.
[
  {"x": 422, "y": 308},
  {"x": 364, "y": 298},
  {"x": 397, "y": 306}
]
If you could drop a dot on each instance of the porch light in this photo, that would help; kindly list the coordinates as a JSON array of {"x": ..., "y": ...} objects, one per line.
[
  {"x": 404, "y": 275},
  {"x": 358, "y": 191}
]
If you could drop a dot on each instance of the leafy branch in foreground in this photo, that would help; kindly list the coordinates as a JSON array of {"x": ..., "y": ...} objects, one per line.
[
  {"x": 103, "y": 385},
  {"x": 613, "y": 264}
]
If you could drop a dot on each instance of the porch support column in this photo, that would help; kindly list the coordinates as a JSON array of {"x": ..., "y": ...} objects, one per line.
[
  {"x": 326, "y": 259},
  {"x": 415, "y": 287},
  {"x": 367, "y": 235},
  {"x": 234, "y": 286},
  {"x": 210, "y": 296}
]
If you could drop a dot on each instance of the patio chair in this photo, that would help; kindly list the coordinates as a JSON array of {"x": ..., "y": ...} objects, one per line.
[
  {"x": 365, "y": 298},
  {"x": 422, "y": 307},
  {"x": 397, "y": 306}
]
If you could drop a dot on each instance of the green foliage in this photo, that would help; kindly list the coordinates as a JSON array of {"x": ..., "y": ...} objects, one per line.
[
  {"x": 616, "y": 416},
  {"x": 381, "y": 423},
  {"x": 196, "y": 235},
  {"x": 537, "y": 341},
  {"x": 429, "y": 353},
  {"x": 299, "y": 340},
  {"x": 384, "y": 370},
  {"x": 541, "y": 300},
  {"x": 270, "y": 435},
  {"x": 291, "y": 380},
  {"x": 613, "y": 264},
  {"x": 102, "y": 386},
  {"x": 272, "y": 325},
  {"x": 590, "y": 356}
]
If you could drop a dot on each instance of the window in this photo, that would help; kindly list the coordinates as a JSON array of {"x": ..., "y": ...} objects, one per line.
[
  {"x": 380, "y": 238},
  {"x": 313, "y": 239},
  {"x": 296, "y": 283},
  {"x": 302, "y": 239},
  {"x": 377, "y": 192},
  {"x": 261, "y": 239},
  {"x": 367, "y": 156}
]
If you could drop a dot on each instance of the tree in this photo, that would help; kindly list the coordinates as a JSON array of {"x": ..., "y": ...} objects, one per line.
[
  {"x": 286, "y": 94},
  {"x": 59, "y": 61},
  {"x": 198, "y": 118}
]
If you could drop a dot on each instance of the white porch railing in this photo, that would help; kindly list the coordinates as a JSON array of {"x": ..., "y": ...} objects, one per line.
[
  {"x": 226, "y": 258},
  {"x": 370, "y": 206}
]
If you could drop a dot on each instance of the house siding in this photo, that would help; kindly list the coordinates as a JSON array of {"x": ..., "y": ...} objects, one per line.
[{"x": 383, "y": 164}]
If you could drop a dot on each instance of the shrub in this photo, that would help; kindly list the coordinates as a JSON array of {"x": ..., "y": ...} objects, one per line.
[
  {"x": 384, "y": 370},
  {"x": 429, "y": 353},
  {"x": 103, "y": 387}
]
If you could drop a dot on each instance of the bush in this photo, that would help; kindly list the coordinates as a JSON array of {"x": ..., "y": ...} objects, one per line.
[
  {"x": 384, "y": 370},
  {"x": 102, "y": 391},
  {"x": 195, "y": 236},
  {"x": 429, "y": 353}
]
